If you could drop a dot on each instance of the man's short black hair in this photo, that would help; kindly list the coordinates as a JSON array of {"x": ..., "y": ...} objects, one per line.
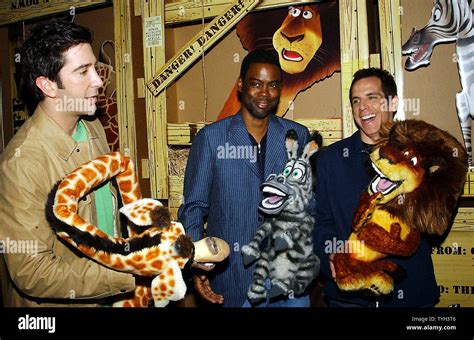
[
  {"x": 389, "y": 85},
  {"x": 259, "y": 57},
  {"x": 43, "y": 55}
]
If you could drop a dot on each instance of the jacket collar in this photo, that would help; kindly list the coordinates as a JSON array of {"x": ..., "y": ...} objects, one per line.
[
  {"x": 238, "y": 135},
  {"x": 356, "y": 144},
  {"x": 56, "y": 138}
]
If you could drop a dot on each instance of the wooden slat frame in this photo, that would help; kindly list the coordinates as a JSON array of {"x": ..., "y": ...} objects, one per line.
[
  {"x": 154, "y": 59},
  {"x": 124, "y": 78},
  {"x": 354, "y": 53},
  {"x": 391, "y": 45},
  {"x": 185, "y": 11},
  {"x": 183, "y": 133},
  {"x": 9, "y": 15},
  {"x": 194, "y": 48}
]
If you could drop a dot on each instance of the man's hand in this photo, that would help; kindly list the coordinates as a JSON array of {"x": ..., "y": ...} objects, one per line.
[
  {"x": 331, "y": 265},
  {"x": 203, "y": 287}
]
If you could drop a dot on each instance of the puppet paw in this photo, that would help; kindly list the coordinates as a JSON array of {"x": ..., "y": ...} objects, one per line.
[
  {"x": 278, "y": 288},
  {"x": 255, "y": 298},
  {"x": 249, "y": 254},
  {"x": 283, "y": 242},
  {"x": 378, "y": 283}
]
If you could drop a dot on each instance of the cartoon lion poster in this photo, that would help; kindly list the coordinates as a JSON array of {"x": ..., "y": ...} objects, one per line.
[{"x": 306, "y": 39}]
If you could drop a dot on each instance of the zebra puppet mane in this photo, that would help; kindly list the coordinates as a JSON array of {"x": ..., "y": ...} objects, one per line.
[{"x": 283, "y": 245}]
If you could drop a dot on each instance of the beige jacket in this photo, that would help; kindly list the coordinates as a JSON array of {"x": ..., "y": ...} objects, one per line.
[{"x": 37, "y": 268}]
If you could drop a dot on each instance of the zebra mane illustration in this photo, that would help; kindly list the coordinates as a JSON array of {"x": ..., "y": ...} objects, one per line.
[{"x": 451, "y": 21}]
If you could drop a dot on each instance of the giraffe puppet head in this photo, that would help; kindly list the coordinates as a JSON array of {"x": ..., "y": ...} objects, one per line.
[{"x": 157, "y": 247}]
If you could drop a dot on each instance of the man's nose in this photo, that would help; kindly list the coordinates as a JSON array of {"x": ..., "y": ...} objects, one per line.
[
  {"x": 96, "y": 80},
  {"x": 362, "y": 104},
  {"x": 265, "y": 91}
]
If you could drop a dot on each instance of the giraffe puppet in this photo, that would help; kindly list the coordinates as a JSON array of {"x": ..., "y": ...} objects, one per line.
[{"x": 157, "y": 246}]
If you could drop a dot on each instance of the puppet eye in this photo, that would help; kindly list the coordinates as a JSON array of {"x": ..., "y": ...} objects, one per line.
[
  {"x": 297, "y": 173},
  {"x": 307, "y": 15},
  {"x": 287, "y": 171},
  {"x": 436, "y": 14},
  {"x": 406, "y": 153},
  {"x": 295, "y": 12},
  {"x": 414, "y": 160}
]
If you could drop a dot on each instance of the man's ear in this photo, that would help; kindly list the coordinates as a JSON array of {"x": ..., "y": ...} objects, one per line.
[
  {"x": 393, "y": 105},
  {"x": 239, "y": 84},
  {"x": 47, "y": 86}
]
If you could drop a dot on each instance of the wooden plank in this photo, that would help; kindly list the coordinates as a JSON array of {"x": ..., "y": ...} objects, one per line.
[
  {"x": 321, "y": 124},
  {"x": 374, "y": 60},
  {"x": 124, "y": 78},
  {"x": 183, "y": 134},
  {"x": 469, "y": 185},
  {"x": 19, "y": 10},
  {"x": 200, "y": 43},
  {"x": 362, "y": 34},
  {"x": 349, "y": 58},
  {"x": 453, "y": 261},
  {"x": 186, "y": 11},
  {"x": 154, "y": 58},
  {"x": 391, "y": 45},
  {"x": 2, "y": 138},
  {"x": 464, "y": 220}
]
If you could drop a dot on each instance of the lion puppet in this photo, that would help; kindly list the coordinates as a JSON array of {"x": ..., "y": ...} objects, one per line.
[{"x": 420, "y": 172}]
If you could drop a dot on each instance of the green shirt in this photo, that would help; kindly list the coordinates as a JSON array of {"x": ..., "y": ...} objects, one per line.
[{"x": 103, "y": 196}]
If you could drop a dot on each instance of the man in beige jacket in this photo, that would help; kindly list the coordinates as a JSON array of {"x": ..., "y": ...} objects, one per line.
[{"x": 37, "y": 268}]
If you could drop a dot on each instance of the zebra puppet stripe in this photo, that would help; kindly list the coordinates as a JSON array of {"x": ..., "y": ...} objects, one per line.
[
  {"x": 286, "y": 258},
  {"x": 451, "y": 21},
  {"x": 157, "y": 246}
]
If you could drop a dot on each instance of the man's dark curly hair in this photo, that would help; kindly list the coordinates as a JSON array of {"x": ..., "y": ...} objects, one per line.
[{"x": 43, "y": 55}]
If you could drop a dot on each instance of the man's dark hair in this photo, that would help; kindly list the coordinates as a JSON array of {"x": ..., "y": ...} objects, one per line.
[
  {"x": 388, "y": 83},
  {"x": 43, "y": 55},
  {"x": 259, "y": 57}
]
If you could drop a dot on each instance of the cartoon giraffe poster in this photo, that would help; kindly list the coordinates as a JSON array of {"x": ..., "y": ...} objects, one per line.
[
  {"x": 306, "y": 39},
  {"x": 450, "y": 21}
]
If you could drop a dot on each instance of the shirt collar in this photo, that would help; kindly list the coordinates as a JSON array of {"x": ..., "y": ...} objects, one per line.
[{"x": 56, "y": 138}]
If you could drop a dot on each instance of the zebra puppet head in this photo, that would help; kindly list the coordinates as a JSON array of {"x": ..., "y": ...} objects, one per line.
[
  {"x": 291, "y": 190},
  {"x": 450, "y": 20}
]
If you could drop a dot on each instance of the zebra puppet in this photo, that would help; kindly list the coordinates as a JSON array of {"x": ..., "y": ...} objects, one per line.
[
  {"x": 451, "y": 20},
  {"x": 283, "y": 244}
]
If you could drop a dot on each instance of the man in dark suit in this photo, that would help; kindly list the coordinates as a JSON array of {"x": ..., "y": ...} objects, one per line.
[
  {"x": 343, "y": 172},
  {"x": 228, "y": 161}
]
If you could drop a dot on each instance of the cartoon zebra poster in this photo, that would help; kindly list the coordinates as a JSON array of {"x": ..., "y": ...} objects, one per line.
[{"x": 451, "y": 21}]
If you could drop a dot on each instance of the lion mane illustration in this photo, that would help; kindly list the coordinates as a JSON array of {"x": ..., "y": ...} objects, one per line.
[{"x": 306, "y": 39}]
